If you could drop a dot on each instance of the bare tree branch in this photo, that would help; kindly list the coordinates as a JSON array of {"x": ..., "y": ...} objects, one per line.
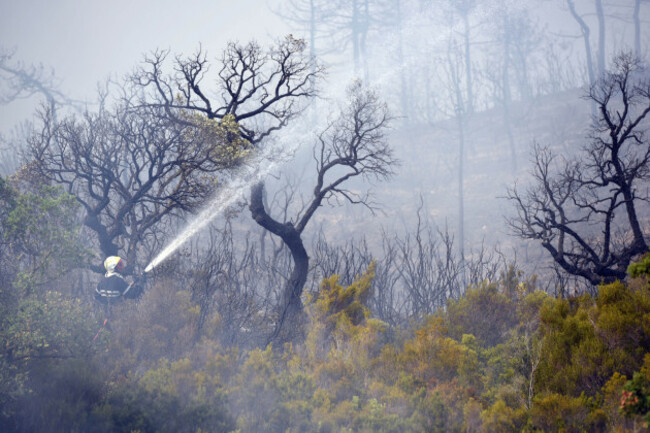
[
  {"x": 352, "y": 145},
  {"x": 576, "y": 209}
]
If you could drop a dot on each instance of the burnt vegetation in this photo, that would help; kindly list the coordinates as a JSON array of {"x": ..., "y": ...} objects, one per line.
[
  {"x": 289, "y": 312},
  {"x": 352, "y": 145}
]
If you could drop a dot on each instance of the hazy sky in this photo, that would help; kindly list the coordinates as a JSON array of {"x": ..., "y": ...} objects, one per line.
[{"x": 86, "y": 41}]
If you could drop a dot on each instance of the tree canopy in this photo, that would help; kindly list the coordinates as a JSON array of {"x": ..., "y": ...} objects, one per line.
[{"x": 155, "y": 150}]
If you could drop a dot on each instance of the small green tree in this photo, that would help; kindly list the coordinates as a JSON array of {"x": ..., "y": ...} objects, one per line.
[
  {"x": 635, "y": 397},
  {"x": 41, "y": 330},
  {"x": 41, "y": 233}
]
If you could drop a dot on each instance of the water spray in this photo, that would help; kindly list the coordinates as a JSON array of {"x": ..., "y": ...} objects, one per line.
[
  {"x": 226, "y": 197},
  {"x": 273, "y": 154}
]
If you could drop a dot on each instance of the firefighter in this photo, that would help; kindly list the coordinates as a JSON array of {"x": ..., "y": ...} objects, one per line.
[{"x": 113, "y": 287}]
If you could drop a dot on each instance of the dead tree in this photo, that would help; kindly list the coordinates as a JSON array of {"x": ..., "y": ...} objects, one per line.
[
  {"x": 20, "y": 81},
  {"x": 586, "y": 212},
  {"x": 586, "y": 31},
  {"x": 154, "y": 154},
  {"x": 387, "y": 302},
  {"x": 260, "y": 89},
  {"x": 348, "y": 261},
  {"x": 636, "y": 17},
  {"x": 24, "y": 81},
  {"x": 230, "y": 275},
  {"x": 130, "y": 170},
  {"x": 353, "y": 145},
  {"x": 464, "y": 9},
  {"x": 454, "y": 83},
  {"x": 600, "y": 14}
]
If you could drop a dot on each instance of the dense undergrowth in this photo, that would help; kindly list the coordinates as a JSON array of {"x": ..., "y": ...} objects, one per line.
[{"x": 503, "y": 358}]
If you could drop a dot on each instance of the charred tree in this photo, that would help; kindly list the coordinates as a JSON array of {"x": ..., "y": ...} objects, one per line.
[
  {"x": 600, "y": 14},
  {"x": 586, "y": 212},
  {"x": 131, "y": 171},
  {"x": 586, "y": 32},
  {"x": 290, "y": 302},
  {"x": 352, "y": 145},
  {"x": 261, "y": 89},
  {"x": 636, "y": 17},
  {"x": 23, "y": 81},
  {"x": 154, "y": 154},
  {"x": 464, "y": 9},
  {"x": 453, "y": 68}
]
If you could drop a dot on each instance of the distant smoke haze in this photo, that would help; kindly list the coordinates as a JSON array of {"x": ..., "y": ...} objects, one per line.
[{"x": 86, "y": 42}]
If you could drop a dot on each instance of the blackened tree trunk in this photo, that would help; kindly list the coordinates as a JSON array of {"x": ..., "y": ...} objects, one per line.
[
  {"x": 291, "y": 304},
  {"x": 352, "y": 145},
  {"x": 584, "y": 28}
]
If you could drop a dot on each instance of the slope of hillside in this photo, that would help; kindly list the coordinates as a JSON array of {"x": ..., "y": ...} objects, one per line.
[{"x": 429, "y": 156}]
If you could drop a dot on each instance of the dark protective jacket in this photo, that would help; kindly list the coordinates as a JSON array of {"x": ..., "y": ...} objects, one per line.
[{"x": 111, "y": 289}]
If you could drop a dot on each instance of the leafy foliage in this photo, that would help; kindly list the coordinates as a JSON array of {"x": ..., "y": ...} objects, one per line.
[
  {"x": 40, "y": 232},
  {"x": 502, "y": 358}
]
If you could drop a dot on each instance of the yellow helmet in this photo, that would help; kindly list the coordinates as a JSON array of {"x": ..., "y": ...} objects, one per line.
[{"x": 112, "y": 263}]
